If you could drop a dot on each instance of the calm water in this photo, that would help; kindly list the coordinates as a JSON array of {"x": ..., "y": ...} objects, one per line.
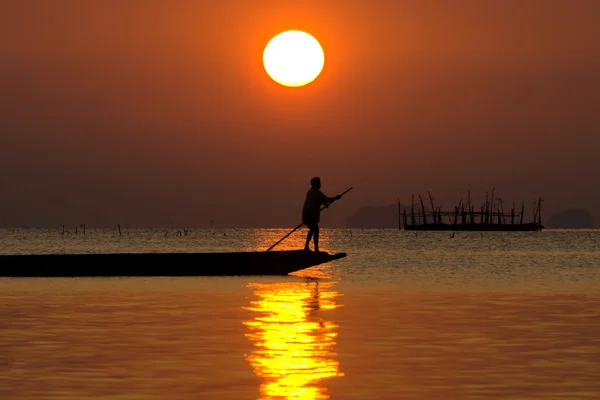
[{"x": 498, "y": 316}]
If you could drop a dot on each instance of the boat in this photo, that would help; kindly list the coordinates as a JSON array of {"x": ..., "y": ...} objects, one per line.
[
  {"x": 464, "y": 218},
  {"x": 525, "y": 227},
  {"x": 162, "y": 264}
]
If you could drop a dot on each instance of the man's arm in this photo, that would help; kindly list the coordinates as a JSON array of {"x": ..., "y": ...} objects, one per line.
[{"x": 326, "y": 201}]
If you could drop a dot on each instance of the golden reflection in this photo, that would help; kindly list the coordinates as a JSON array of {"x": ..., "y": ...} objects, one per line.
[
  {"x": 294, "y": 344},
  {"x": 262, "y": 239}
]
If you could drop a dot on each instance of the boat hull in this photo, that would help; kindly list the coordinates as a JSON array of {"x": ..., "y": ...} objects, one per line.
[
  {"x": 162, "y": 264},
  {"x": 527, "y": 227}
]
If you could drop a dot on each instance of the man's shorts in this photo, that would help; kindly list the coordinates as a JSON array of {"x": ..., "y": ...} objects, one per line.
[{"x": 313, "y": 225}]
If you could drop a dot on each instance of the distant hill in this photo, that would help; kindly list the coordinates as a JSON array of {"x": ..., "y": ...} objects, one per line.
[
  {"x": 370, "y": 217},
  {"x": 572, "y": 219}
]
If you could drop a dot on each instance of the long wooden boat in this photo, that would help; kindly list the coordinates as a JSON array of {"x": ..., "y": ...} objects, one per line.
[
  {"x": 162, "y": 264},
  {"x": 527, "y": 227}
]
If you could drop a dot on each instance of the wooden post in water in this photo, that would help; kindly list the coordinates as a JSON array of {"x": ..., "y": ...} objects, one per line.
[
  {"x": 535, "y": 210},
  {"x": 399, "y": 216},
  {"x": 412, "y": 211},
  {"x": 522, "y": 211},
  {"x": 512, "y": 214},
  {"x": 500, "y": 216},
  {"x": 499, "y": 213},
  {"x": 492, "y": 207},
  {"x": 469, "y": 207},
  {"x": 540, "y": 213},
  {"x": 435, "y": 220},
  {"x": 486, "y": 207},
  {"x": 423, "y": 208}
]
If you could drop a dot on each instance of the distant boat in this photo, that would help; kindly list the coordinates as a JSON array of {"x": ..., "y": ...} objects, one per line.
[
  {"x": 491, "y": 217},
  {"x": 162, "y": 264},
  {"x": 525, "y": 227}
]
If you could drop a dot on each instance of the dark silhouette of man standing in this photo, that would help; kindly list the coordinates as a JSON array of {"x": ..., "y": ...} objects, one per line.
[{"x": 311, "y": 212}]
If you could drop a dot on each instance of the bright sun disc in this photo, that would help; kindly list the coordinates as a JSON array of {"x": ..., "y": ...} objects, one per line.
[{"x": 293, "y": 58}]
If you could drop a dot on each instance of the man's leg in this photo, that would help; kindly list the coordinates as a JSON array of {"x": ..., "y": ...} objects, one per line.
[
  {"x": 308, "y": 238},
  {"x": 316, "y": 237}
]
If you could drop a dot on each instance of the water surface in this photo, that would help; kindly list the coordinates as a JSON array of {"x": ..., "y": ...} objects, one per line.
[{"x": 498, "y": 315}]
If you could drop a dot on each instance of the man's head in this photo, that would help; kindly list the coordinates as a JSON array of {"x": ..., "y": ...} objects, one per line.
[{"x": 315, "y": 182}]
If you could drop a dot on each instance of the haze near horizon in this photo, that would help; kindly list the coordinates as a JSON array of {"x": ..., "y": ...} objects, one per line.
[{"x": 155, "y": 114}]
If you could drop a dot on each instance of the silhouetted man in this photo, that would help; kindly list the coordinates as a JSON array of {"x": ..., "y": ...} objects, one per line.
[{"x": 311, "y": 212}]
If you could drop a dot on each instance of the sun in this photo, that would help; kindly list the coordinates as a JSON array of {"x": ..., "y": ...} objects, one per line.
[{"x": 293, "y": 58}]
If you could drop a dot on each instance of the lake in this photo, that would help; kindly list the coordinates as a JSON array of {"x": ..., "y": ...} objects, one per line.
[{"x": 496, "y": 315}]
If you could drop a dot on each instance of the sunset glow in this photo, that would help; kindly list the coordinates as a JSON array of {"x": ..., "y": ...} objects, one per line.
[{"x": 293, "y": 58}]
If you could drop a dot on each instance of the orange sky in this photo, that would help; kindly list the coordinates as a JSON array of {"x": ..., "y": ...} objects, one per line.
[{"x": 155, "y": 113}]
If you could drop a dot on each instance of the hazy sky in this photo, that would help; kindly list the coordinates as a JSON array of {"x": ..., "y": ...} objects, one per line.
[{"x": 160, "y": 113}]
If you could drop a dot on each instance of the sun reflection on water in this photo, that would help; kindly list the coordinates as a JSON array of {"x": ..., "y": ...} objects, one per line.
[{"x": 294, "y": 343}]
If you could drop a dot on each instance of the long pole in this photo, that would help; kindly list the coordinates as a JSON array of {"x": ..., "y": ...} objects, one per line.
[{"x": 299, "y": 226}]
